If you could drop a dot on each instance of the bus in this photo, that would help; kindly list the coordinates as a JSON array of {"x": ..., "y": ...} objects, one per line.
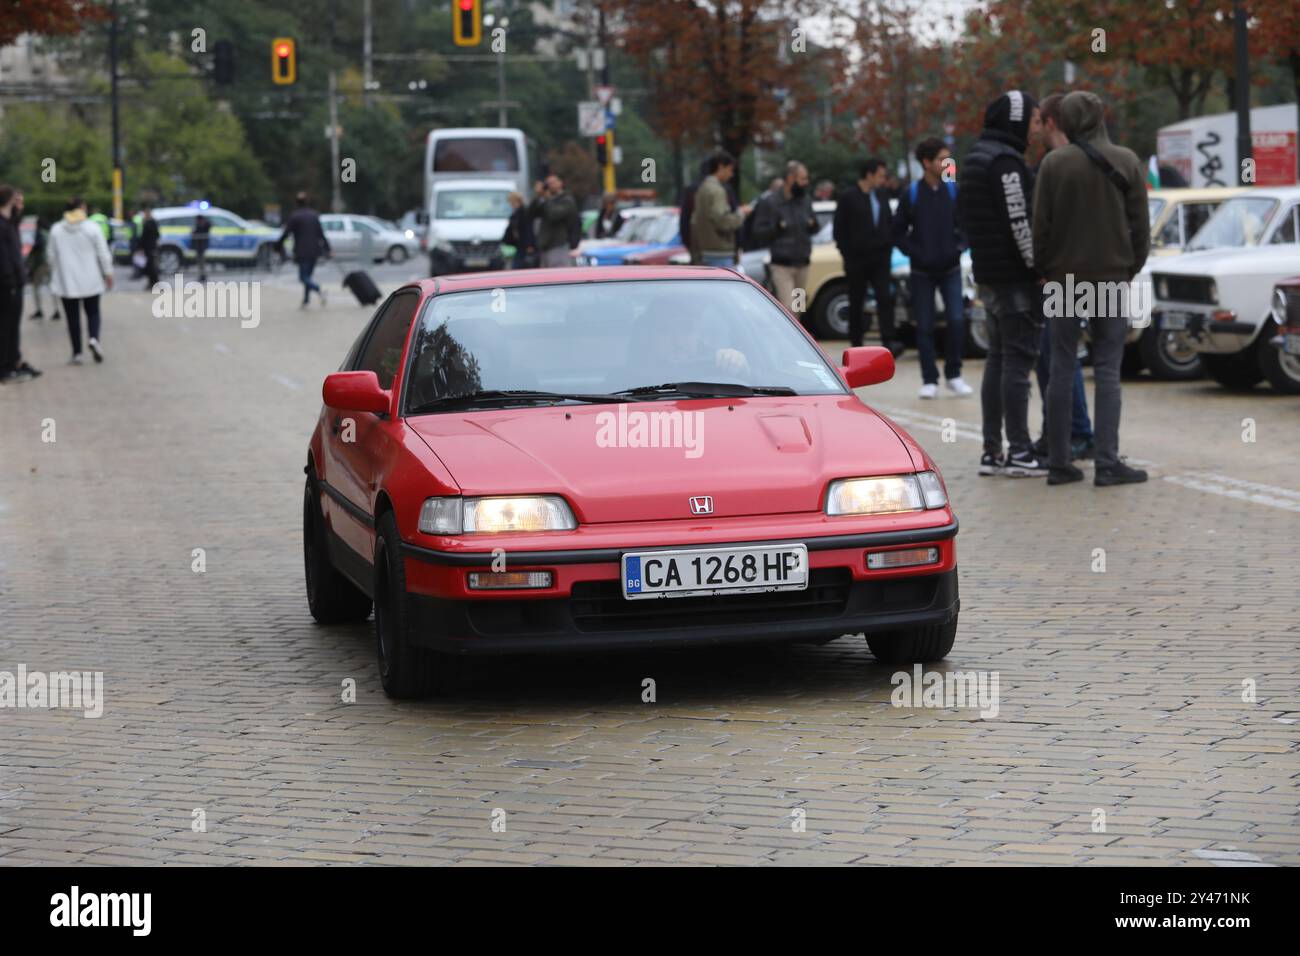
[{"x": 475, "y": 153}]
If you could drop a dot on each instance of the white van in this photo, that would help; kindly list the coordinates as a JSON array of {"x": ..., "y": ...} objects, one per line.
[{"x": 467, "y": 219}]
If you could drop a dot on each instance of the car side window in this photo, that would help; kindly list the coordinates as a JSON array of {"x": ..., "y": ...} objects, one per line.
[
  {"x": 1287, "y": 230},
  {"x": 1195, "y": 214},
  {"x": 332, "y": 225},
  {"x": 382, "y": 354},
  {"x": 1171, "y": 232}
]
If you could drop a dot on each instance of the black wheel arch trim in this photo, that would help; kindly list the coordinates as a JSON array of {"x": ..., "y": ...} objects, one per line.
[
  {"x": 603, "y": 555},
  {"x": 356, "y": 511}
]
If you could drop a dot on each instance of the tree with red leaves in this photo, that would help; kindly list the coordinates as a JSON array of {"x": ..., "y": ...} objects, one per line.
[{"x": 46, "y": 17}]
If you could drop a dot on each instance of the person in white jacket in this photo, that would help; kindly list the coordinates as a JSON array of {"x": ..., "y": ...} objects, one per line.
[{"x": 81, "y": 269}]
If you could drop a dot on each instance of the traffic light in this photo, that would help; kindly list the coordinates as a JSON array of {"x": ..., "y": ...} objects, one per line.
[
  {"x": 284, "y": 61},
  {"x": 223, "y": 63},
  {"x": 467, "y": 22},
  {"x": 602, "y": 151}
]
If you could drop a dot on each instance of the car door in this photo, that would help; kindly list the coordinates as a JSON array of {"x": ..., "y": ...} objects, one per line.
[
  {"x": 224, "y": 238},
  {"x": 356, "y": 443},
  {"x": 338, "y": 232}
]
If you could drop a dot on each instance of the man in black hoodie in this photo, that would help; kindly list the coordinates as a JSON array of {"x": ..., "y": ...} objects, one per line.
[{"x": 994, "y": 200}]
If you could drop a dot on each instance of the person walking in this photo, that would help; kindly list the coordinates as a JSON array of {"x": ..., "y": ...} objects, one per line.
[
  {"x": 713, "y": 221},
  {"x": 309, "y": 244},
  {"x": 785, "y": 224},
  {"x": 38, "y": 270},
  {"x": 557, "y": 223},
  {"x": 199, "y": 237},
  {"x": 927, "y": 228},
  {"x": 12, "y": 276},
  {"x": 81, "y": 271},
  {"x": 519, "y": 234},
  {"x": 1082, "y": 444},
  {"x": 863, "y": 229},
  {"x": 995, "y": 203},
  {"x": 148, "y": 244},
  {"x": 1091, "y": 226}
]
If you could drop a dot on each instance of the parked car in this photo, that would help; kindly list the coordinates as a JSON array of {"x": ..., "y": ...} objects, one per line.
[
  {"x": 1176, "y": 215},
  {"x": 1286, "y": 316},
  {"x": 468, "y": 223},
  {"x": 633, "y": 220},
  {"x": 365, "y": 237},
  {"x": 232, "y": 240},
  {"x": 782, "y": 509},
  {"x": 650, "y": 234},
  {"x": 1217, "y": 296}
]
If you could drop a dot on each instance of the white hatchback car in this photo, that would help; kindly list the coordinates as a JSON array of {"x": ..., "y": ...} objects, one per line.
[{"x": 1218, "y": 300}]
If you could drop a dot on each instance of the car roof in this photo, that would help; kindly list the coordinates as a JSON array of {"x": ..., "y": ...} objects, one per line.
[
  {"x": 477, "y": 281},
  {"x": 1196, "y": 193},
  {"x": 193, "y": 211},
  {"x": 1271, "y": 192},
  {"x": 453, "y": 185}
]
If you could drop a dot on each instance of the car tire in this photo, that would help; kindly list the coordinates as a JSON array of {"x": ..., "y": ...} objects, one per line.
[
  {"x": 331, "y": 597},
  {"x": 917, "y": 645},
  {"x": 1239, "y": 371},
  {"x": 397, "y": 255},
  {"x": 405, "y": 670},
  {"x": 170, "y": 259},
  {"x": 977, "y": 333},
  {"x": 1160, "y": 352},
  {"x": 830, "y": 311},
  {"x": 1281, "y": 370}
]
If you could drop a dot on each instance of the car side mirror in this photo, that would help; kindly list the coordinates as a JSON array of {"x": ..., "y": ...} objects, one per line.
[
  {"x": 867, "y": 365},
  {"x": 356, "y": 392}
]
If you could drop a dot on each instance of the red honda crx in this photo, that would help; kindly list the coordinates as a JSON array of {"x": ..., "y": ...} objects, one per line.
[{"x": 619, "y": 457}]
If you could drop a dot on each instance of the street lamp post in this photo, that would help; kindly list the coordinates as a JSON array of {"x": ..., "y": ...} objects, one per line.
[
  {"x": 117, "y": 136},
  {"x": 1241, "y": 87}
]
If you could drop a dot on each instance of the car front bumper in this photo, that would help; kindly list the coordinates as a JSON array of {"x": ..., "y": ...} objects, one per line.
[
  {"x": 444, "y": 262},
  {"x": 586, "y": 609},
  {"x": 1203, "y": 332}
]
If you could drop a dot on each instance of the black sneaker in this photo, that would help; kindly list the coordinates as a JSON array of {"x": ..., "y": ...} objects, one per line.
[
  {"x": 1025, "y": 465},
  {"x": 1082, "y": 448},
  {"x": 1120, "y": 474},
  {"x": 992, "y": 465},
  {"x": 1064, "y": 476},
  {"x": 33, "y": 372},
  {"x": 896, "y": 348},
  {"x": 1039, "y": 449}
]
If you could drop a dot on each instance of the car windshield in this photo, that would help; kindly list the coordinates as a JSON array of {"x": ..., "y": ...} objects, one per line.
[
  {"x": 593, "y": 339},
  {"x": 1238, "y": 222},
  {"x": 1153, "y": 209},
  {"x": 659, "y": 229},
  {"x": 473, "y": 204}
]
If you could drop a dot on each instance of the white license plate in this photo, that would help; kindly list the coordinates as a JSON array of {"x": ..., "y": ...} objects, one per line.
[
  {"x": 1174, "y": 321},
  {"x": 658, "y": 574},
  {"x": 1291, "y": 344},
  {"x": 476, "y": 262}
]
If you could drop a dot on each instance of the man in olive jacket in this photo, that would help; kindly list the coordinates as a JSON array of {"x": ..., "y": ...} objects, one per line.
[
  {"x": 714, "y": 222},
  {"x": 556, "y": 222},
  {"x": 1091, "y": 237}
]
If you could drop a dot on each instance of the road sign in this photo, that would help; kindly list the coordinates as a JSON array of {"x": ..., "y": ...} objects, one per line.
[
  {"x": 603, "y": 94},
  {"x": 591, "y": 118}
]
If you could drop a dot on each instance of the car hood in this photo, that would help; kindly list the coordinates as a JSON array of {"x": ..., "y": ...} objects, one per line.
[
  {"x": 1271, "y": 260},
  {"x": 753, "y": 456},
  {"x": 461, "y": 230}
]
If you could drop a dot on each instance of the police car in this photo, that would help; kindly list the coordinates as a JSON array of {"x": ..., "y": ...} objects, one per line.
[{"x": 232, "y": 240}]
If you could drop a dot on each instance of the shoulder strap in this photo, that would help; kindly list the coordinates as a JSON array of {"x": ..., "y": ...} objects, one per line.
[
  {"x": 1104, "y": 164},
  {"x": 952, "y": 190},
  {"x": 911, "y": 192}
]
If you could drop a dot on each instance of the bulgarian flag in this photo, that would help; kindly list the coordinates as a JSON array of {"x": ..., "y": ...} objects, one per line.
[{"x": 1153, "y": 173}]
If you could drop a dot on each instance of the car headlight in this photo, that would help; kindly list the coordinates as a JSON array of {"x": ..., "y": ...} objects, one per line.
[
  {"x": 1279, "y": 307},
  {"x": 1162, "y": 289},
  {"x": 496, "y": 515},
  {"x": 871, "y": 496}
]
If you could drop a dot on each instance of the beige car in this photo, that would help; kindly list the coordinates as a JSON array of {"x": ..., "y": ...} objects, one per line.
[{"x": 1176, "y": 215}]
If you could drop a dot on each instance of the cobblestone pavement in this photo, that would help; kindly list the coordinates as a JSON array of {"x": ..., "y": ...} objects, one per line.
[{"x": 1160, "y": 693}]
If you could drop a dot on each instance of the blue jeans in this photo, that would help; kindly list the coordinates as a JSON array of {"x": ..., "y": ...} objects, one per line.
[
  {"x": 305, "y": 268},
  {"x": 726, "y": 260},
  {"x": 1080, "y": 426},
  {"x": 949, "y": 287}
]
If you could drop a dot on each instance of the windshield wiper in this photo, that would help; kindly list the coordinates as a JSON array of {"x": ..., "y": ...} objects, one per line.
[
  {"x": 708, "y": 390},
  {"x": 508, "y": 396}
]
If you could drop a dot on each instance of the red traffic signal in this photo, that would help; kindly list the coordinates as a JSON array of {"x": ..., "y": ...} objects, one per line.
[
  {"x": 284, "y": 61},
  {"x": 602, "y": 150},
  {"x": 466, "y": 22}
]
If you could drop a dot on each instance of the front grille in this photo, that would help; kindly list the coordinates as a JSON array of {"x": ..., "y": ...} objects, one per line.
[
  {"x": 464, "y": 247},
  {"x": 1184, "y": 288},
  {"x": 1292, "y": 313},
  {"x": 600, "y": 605}
]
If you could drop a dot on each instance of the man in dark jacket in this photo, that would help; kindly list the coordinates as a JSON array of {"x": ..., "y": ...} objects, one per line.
[
  {"x": 11, "y": 288},
  {"x": 557, "y": 222},
  {"x": 1092, "y": 233},
  {"x": 148, "y": 244},
  {"x": 994, "y": 203},
  {"x": 519, "y": 233},
  {"x": 199, "y": 236},
  {"x": 785, "y": 224},
  {"x": 863, "y": 232},
  {"x": 927, "y": 228},
  {"x": 309, "y": 244}
]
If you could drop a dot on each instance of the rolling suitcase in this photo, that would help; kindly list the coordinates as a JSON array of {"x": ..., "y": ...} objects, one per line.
[{"x": 362, "y": 286}]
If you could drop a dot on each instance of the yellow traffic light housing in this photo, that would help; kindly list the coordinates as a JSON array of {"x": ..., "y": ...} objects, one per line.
[
  {"x": 467, "y": 22},
  {"x": 284, "y": 61}
]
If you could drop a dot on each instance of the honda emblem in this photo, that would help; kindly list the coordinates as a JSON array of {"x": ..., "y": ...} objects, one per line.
[{"x": 702, "y": 505}]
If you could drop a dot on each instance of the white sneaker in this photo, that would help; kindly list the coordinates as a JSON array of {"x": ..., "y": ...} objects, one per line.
[
  {"x": 959, "y": 387},
  {"x": 75, "y": 360},
  {"x": 95, "y": 350},
  {"x": 929, "y": 390}
]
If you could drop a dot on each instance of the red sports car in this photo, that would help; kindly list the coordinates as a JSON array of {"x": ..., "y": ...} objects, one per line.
[{"x": 619, "y": 457}]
